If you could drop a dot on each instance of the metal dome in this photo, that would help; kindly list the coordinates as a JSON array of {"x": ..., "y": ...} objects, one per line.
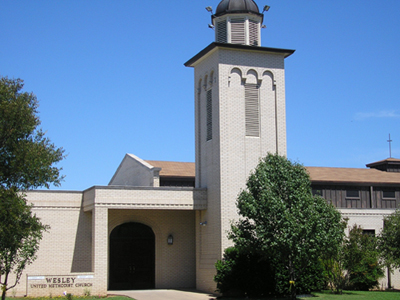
[{"x": 236, "y": 6}]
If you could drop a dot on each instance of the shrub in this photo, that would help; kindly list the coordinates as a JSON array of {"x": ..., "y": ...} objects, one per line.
[
  {"x": 362, "y": 260},
  {"x": 312, "y": 278},
  {"x": 69, "y": 296},
  {"x": 244, "y": 273}
]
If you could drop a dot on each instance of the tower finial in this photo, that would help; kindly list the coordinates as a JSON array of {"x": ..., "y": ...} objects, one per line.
[{"x": 390, "y": 146}]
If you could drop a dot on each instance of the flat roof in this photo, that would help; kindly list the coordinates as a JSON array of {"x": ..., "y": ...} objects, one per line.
[{"x": 212, "y": 46}]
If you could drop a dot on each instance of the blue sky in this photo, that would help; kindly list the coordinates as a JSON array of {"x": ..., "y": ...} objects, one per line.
[{"x": 110, "y": 79}]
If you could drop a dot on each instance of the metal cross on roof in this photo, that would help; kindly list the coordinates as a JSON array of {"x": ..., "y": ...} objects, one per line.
[{"x": 390, "y": 146}]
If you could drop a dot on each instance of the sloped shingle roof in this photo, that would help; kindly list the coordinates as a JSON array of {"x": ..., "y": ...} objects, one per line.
[
  {"x": 317, "y": 174},
  {"x": 352, "y": 175},
  {"x": 174, "y": 168}
]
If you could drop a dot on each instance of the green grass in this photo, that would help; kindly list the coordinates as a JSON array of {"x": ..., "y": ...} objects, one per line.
[
  {"x": 347, "y": 295},
  {"x": 356, "y": 295}
]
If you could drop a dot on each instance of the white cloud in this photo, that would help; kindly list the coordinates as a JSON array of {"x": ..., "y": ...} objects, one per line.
[{"x": 380, "y": 114}]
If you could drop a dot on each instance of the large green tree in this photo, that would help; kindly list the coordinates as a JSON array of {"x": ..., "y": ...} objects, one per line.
[
  {"x": 389, "y": 242},
  {"x": 281, "y": 218},
  {"x": 27, "y": 157},
  {"x": 27, "y": 161}
]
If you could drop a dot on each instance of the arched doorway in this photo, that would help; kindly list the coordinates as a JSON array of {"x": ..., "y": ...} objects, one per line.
[{"x": 132, "y": 257}]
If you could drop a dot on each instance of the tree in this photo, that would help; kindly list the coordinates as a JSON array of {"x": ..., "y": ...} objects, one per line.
[
  {"x": 281, "y": 217},
  {"x": 27, "y": 161},
  {"x": 26, "y": 155},
  {"x": 361, "y": 260},
  {"x": 334, "y": 270},
  {"x": 20, "y": 233},
  {"x": 389, "y": 242}
]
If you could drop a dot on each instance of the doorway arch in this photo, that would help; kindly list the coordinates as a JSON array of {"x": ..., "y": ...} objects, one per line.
[{"x": 132, "y": 257}]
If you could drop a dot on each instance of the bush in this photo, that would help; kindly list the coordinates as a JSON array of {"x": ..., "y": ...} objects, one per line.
[
  {"x": 362, "y": 260},
  {"x": 244, "y": 273},
  {"x": 312, "y": 279}
]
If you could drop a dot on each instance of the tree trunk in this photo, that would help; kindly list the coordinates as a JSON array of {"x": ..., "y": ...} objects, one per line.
[
  {"x": 389, "y": 278},
  {"x": 4, "y": 287},
  {"x": 292, "y": 280}
]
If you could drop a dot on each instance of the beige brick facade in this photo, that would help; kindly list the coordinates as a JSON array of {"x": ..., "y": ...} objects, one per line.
[
  {"x": 224, "y": 161},
  {"x": 74, "y": 255}
]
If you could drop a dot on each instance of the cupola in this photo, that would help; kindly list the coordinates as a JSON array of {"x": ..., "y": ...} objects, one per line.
[
  {"x": 238, "y": 22},
  {"x": 387, "y": 165}
]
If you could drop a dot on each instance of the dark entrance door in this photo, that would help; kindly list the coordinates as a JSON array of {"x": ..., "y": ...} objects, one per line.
[{"x": 132, "y": 257}]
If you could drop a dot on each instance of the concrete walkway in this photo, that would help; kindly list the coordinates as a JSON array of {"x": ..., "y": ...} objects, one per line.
[{"x": 164, "y": 295}]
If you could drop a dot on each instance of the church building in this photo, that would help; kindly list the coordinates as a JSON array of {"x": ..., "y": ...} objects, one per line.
[{"x": 163, "y": 225}]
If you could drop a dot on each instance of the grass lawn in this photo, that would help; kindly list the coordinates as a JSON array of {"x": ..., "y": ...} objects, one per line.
[
  {"x": 347, "y": 295},
  {"x": 356, "y": 295}
]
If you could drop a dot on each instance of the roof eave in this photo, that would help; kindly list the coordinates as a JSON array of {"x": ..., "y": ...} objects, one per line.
[
  {"x": 353, "y": 183},
  {"x": 191, "y": 62}
]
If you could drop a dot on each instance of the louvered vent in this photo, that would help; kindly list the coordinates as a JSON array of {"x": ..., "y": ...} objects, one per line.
[
  {"x": 252, "y": 110},
  {"x": 238, "y": 33},
  {"x": 222, "y": 36},
  {"x": 253, "y": 33},
  {"x": 209, "y": 115}
]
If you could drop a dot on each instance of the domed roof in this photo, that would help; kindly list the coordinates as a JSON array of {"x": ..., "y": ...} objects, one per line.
[{"x": 236, "y": 6}]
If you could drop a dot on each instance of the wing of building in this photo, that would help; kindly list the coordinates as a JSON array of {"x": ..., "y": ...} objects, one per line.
[{"x": 164, "y": 224}]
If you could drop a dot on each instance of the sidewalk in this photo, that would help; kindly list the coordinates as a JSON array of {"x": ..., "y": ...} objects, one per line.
[{"x": 164, "y": 295}]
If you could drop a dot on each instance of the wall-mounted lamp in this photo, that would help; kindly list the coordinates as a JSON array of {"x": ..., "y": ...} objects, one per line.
[
  {"x": 210, "y": 26},
  {"x": 266, "y": 8},
  {"x": 203, "y": 223},
  {"x": 209, "y": 9},
  {"x": 170, "y": 239}
]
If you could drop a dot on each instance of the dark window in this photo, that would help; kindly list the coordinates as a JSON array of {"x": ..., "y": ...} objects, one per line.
[
  {"x": 352, "y": 194},
  {"x": 222, "y": 36},
  {"x": 370, "y": 232},
  {"x": 389, "y": 193},
  {"x": 317, "y": 192},
  {"x": 209, "y": 115},
  {"x": 251, "y": 96},
  {"x": 178, "y": 182}
]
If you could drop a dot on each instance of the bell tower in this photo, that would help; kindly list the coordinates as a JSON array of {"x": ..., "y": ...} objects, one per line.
[{"x": 239, "y": 118}]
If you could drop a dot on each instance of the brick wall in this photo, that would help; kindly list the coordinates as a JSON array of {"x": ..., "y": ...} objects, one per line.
[
  {"x": 73, "y": 255},
  {"x": 224, "y": 162}
]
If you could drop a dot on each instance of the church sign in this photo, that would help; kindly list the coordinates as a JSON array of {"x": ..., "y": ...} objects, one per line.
[{"x": 58, "y": 284}]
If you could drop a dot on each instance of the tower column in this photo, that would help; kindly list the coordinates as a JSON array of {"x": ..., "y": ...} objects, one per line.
[{"x": 100, "y": 249}]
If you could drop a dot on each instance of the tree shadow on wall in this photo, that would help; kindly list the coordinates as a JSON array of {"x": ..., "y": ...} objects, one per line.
[{"x": 82, "y": 259}]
